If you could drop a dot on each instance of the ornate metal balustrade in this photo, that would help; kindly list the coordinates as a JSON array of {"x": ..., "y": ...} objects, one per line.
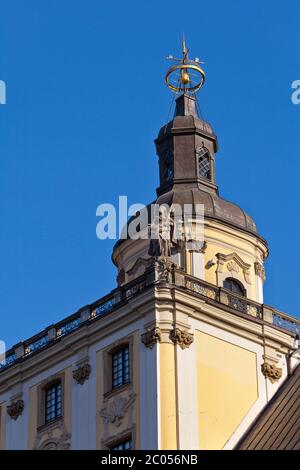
[
  {"x": 155, "y": 275},
  {"x": 234, "y": 301},
  {"x": 70, "y": 324},
  {"x": 287, "y": 323}
]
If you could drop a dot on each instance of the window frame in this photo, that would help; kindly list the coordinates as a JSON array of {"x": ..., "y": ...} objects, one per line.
[
  {"x": 238, "y": 283},
  {"x": 41, "y": 399},
  {"x": 122, "y": 348},
  {"x": 107, "y": 365},
  {"x": 199, "y": 154},
  {"x": 53, "y": 385},
  {"x": 122, "y": 441}
]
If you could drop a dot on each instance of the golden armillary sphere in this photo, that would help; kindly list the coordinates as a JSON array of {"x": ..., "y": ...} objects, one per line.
[{"x": 185, "y": 75}]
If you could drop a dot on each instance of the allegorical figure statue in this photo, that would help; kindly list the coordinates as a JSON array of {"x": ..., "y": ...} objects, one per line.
[{"x": 162, "y": 237}]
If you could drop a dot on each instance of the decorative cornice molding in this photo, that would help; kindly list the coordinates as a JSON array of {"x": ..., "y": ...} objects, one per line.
[
  {"x": 181, "y": 337},
  {"x": 82, "y": 373},
  {"x": 151, "y": 337},
  {"x": 260, "y": 270},
  {"x": 271, "y": 372},
  {"x": 15, "y": 409},
  {"x": 234, "y": 264}
]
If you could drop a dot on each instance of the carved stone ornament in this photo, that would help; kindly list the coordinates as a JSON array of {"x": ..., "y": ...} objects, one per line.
[
  {"x": 260, "y": 271},
  {"x": 163, "y": 236},
  {"x": 271, "y": 372},
  {"x": 114, "y": 411},
  {"x": 15, "y": 409},
  {"x": 54, "y": 437},
  {"x": 233, "y": 263},
  {"x": 151, "y": 337},
  {"x": 233, "y": 266},
  {"x": 196, "y": 247},
  {"x": 82, "y": 373},
  {"x": 164, "y": 269},
  {"x": 181, "y": 337}
]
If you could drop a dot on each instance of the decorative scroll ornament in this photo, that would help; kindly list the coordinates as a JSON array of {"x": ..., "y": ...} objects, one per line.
[
  {"x": 15, "y": 409},
  {"x": 233, "y": 263},
  {"x": 271, "y": 372},
  {"x": 181, "y": 337},
  {"x": 114, "y": 412},
  {"x": 151, "y": 337},
  {"x": 82, "y": 373},
  {"x": 233, "y": 266},
  {"x": 260, "y": 271}
]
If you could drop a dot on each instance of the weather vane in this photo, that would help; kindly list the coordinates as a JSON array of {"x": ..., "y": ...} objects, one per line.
[{"x": 185, "y": 75}]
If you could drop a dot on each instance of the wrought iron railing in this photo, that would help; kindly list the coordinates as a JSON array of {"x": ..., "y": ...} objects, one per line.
[
  {"x": 286, "y": 322},
  {"x": 107, "y": 304},
  {"x": 223, "y": 296}
]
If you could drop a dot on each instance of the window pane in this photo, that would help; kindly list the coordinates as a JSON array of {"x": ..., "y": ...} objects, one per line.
[
  {"x": 53, "y": 401},
  {"x": 125, "y": 445},
  {"x": 233, "y": 286},
  {"x": 204, "y": 163},
  {"x": 120, "y": 367}
]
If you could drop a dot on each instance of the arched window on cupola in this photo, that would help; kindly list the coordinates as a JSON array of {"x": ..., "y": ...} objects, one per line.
[
  {"x": 204, "y": 163},
  {"x": 234, "y": 286}
]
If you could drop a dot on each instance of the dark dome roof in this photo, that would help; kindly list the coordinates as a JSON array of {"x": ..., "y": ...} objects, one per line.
[{"x": 214, "y": 206}]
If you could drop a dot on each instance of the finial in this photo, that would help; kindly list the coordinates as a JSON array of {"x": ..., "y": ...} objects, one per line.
[{"x": 185, "y": 75}]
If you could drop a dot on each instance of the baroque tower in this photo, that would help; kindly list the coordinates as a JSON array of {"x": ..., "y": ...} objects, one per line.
[{"x": 183, "y": 353}]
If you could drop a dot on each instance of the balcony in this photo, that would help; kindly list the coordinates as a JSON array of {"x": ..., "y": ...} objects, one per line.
[{"x": 161, "y": 273}]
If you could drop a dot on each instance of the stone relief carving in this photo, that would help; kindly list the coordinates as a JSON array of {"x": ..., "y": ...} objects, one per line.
[
  {"x": 114, "y": 411},
  {"x": 82, "y": 373},
  {"x": 233, "y": 266},
  {"x": 164, "y": 268},
  {"x": 233, "y": 263},
  {"x": 260, "y": 271},
  {"x": 271, "y": 372},
  {"x": 151, "y": 337},
  {"x": 54, "y": 437},
  {"x": 15, "y": 409},
  {"x": 181, "y": 337}
]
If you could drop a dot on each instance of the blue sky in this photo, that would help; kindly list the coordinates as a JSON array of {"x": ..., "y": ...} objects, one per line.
[{"x": 85, "y": 100}]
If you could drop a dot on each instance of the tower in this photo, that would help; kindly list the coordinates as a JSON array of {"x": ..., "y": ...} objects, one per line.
[{"x": 183, "y": 353}]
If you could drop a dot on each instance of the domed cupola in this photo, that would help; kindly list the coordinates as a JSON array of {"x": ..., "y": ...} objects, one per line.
[{"x": 232, "y": 253}]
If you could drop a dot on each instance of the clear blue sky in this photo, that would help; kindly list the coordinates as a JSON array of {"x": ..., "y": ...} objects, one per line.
[{"x": 86, "y": 98}]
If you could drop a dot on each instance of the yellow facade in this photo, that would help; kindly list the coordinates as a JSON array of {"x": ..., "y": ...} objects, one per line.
[
  {"x": 168, "y": 408},
  {"x": 227, "y": 388}
]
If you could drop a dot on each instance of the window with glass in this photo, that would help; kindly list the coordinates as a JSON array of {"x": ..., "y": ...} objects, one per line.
[
  {"x": 53, "y": 402},
  {"x": 120, "y": 367},
  {"x": 234, "y": 286},
  {"x": 123, "y": 445},
  {"x": 204, "y": 164}
]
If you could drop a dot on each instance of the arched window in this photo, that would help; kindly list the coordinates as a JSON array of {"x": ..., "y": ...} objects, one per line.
[
  {"x": 204, "y": 163},
  {"x": 234, "y": 286}
]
